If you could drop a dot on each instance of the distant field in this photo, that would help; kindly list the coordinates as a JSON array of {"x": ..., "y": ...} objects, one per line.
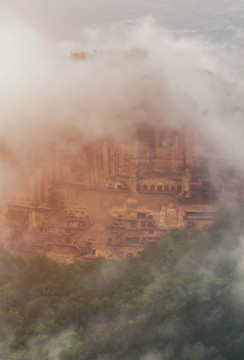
[{"x": 219, "y": 17}]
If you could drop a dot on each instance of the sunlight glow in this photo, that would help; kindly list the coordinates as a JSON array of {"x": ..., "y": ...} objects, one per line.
[{"x": 19, "y": 52}]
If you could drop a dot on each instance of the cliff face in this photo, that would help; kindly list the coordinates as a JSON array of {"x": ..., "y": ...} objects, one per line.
[{"x": 111, "y": 197}]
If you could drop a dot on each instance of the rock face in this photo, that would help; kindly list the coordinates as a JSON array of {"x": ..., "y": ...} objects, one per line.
[{"x": 111, "y": 197}]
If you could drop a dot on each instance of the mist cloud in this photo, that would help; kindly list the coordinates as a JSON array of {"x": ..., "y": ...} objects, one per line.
[
  {"x": 129, "y": 75},
  {"x": 51, "y": 101}
]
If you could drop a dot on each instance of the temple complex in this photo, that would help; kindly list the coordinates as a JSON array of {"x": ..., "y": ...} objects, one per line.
[{"x": 110, "y": 197}]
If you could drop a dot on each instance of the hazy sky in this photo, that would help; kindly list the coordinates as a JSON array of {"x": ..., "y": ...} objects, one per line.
[
  {"x": 65, "y": 18},
  {"x": 62, "y": 17}
]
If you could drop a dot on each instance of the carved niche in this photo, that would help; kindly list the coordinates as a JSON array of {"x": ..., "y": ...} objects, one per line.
[{"x": 171, "y": 215}]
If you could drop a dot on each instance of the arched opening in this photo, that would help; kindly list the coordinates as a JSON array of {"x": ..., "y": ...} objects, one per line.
[
  {"x": 173, "y": 188},
  {"x": 141, "y": 215},
  {"x": 166, "y": 188},
  {"x": 138, "y": 187},
  {"x": 152, "y": 188},
  {"x": 159, "y": 188},
  {"x": 145, "y": 188}
]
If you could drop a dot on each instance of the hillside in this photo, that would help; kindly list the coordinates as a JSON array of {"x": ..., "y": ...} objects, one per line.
[{"x": 182, "y": 299}]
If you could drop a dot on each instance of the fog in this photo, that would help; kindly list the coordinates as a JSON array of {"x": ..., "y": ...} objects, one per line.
[{"x": 131, "y": 73}]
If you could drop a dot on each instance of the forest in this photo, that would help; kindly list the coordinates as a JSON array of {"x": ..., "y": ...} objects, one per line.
[{"x": 182, "y": 299}]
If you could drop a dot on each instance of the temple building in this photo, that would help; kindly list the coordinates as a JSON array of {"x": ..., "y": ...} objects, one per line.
[{"x": 110, "y": 197}]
